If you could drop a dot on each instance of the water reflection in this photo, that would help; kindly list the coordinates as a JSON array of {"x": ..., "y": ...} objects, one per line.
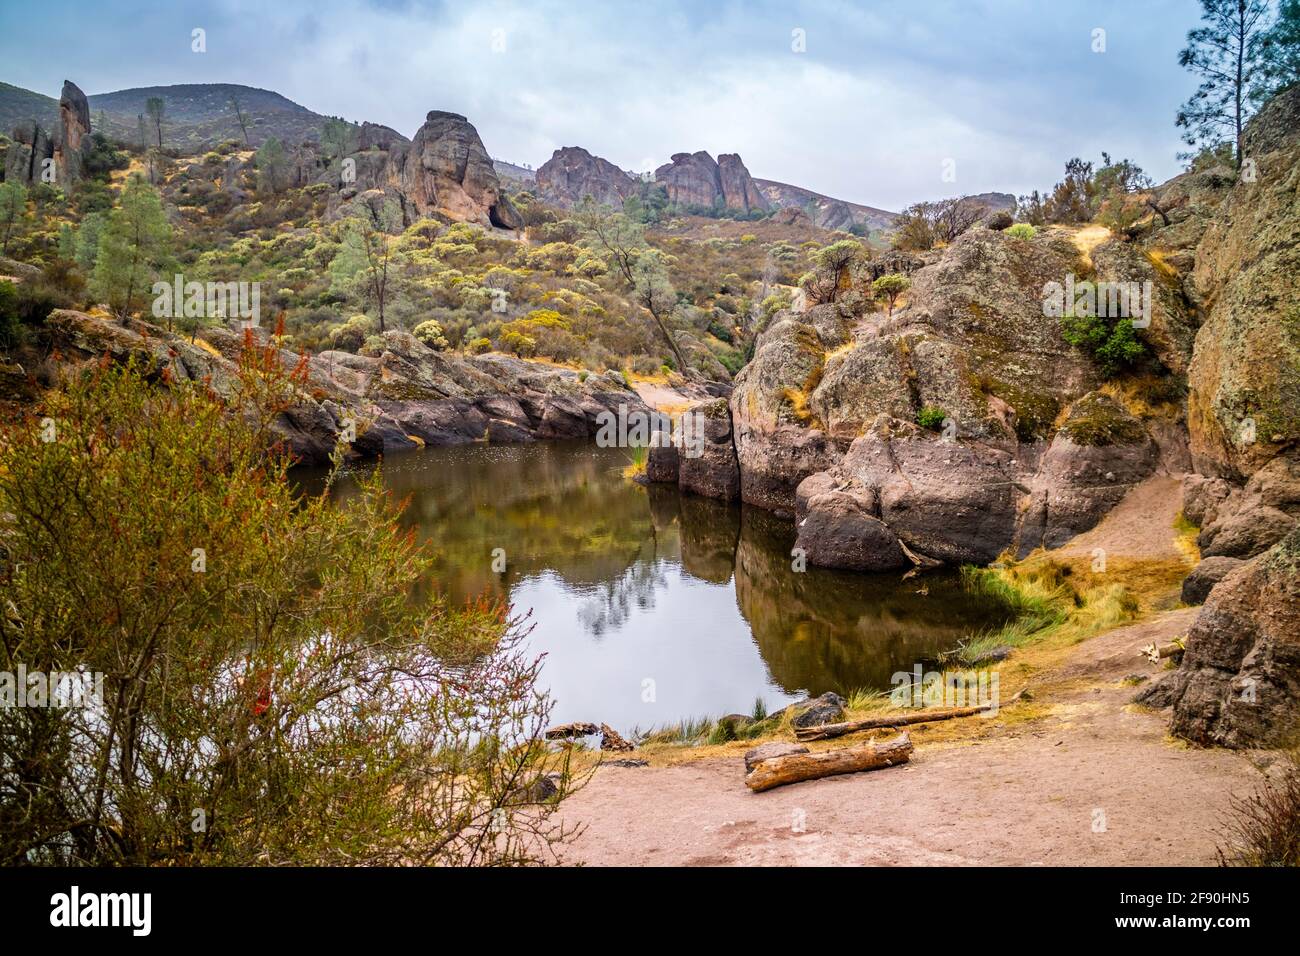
[{"x": 653, "y": 606}]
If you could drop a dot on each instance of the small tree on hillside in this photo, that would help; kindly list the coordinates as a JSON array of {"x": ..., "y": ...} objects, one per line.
[
  {"x": 133, "y": 247},
  {"x": 240, "y": 116},
  {"x": 1226, "y": 54},
  {"x": 890, "y": 287},
  {"x": 155, "y": 107},
  {"x": 272, "y": 166},
  {"x": 13, "y": 203}
]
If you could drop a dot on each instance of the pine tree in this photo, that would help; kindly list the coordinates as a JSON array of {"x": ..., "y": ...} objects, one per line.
[
  {"x": 1281, "y": 52},
  {"x": 1226, "y": 53},
  {"x": 134, "y": 247}
]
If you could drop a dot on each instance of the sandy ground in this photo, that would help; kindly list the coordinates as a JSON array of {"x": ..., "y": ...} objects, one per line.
[
  {"x": 1091, "y": 780},
  {"x": 663, "y": 397}
]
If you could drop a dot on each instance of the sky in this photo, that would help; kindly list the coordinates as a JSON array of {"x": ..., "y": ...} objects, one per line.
[{"x": 881, "y": 102}]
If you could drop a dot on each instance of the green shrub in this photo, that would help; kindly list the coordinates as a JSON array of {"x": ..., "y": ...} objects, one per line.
[
  {"x": 1111, "y": 342},
  {"x": 430, "y": 333},
  {"x": 1022, "y": 230},
  {"x": 271, "y": 662},
  {"x": 931, "y": 418}
]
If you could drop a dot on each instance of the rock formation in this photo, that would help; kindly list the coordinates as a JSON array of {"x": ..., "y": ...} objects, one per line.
[
  {"x": 444, "y": 171},
  {"x": 447, "y": 170},
  {"x": 408, "y": 395},
  {"x": 695, "y": 179},
  {"x": 32, "y": 145},
  {"x": 572, "y": 173},
  {"x": 1239, "y": 681}
]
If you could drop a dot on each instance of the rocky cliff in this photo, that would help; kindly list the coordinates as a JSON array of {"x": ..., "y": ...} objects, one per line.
[
  {"x": 696, "y": 179},
  {"x": 572, "y": 173},
  {"x": 405, "y": 397}
]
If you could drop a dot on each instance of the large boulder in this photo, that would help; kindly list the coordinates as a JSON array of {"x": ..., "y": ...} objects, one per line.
[
  {"x": 695, "y": 179},
  {"x": 447, "y": 170},
  {"x": 1201, "y": 581},
  {"x": 74, "y": 122},
  {"x": 738, "y": 189},
  {"x": 837, "y": 529},
  {"x": 1239, "y": 681},
  {"x": 1252, "y": 519},
  {"x": 1098, "y": 455},
  {"x": 947, "y": 500},
  {"x": 779, "y": 440},
  {"x": 707, "y": 458}
]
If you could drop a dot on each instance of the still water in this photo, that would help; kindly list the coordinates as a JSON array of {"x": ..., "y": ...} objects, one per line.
[{"x": 653, "y": 606}]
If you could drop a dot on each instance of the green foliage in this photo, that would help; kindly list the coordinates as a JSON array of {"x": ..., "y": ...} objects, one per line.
[
  {"x": 134, "y": 247},
  {"x": 1226, "y": 52},
  {"x": 1280, "y": 52},
  {"x": 272, "y": 166},
  {"x": 931, "y": 418},
  {"x": 430, "y": 333},
  {"x": 13, "y": 205},
  {"x": 1111, "y": 341},
  {"x": 891, "y": 286},
  {"x": 273, "y": 663},
  {"x": 1022, "y": 230}
]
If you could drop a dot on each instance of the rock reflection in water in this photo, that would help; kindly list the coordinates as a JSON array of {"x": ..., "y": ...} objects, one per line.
[{"x": 653, "y": 606}]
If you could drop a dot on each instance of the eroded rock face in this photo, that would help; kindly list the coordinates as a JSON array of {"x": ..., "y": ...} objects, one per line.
[
  {"x": 1250, "y": 520},
  {"x": 447, "y": 170},
  {"x": 945, "y": 500},
  {"x": 32, "y": 145},
  {"x": 573, "y": 173},
  {"x": 779, "y": 442},
  {"x": 1098, "y": 455},
  {"x": 1243, "y": 405},
  {"x": 1239, "y": 681},
  {"x": 74, "y": 119},
  {"x": 707, "y": 466},
  {"x": 738, "y": 188},
  {"x": 1198, "y": 585},
  {"x": 837, "y": 528},
  {"x": 696, "y": 179}
]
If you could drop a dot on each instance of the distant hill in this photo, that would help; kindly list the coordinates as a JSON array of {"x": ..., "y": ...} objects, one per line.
[
  {"x": 19, "y": 107},
  {"x": 197, "y": 115},
  {"x": 511, "y": 171},
  {"x": 825, "y": 211}
]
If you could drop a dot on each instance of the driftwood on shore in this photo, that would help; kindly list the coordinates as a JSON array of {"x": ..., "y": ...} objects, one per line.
[
  {"x": 793, "y": 768},
  {"x": 827, "y": 731},
  {"x": 1156, "y": 653}
]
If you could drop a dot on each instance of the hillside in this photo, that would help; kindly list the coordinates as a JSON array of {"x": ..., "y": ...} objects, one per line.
[
  {"x": 21, "y": 107},
  {"x": 826, "y": 212},
  {"x": 198, "y": 115}
]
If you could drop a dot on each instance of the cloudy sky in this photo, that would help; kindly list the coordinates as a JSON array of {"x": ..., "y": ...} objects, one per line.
[{"x": 882, "y": 99}]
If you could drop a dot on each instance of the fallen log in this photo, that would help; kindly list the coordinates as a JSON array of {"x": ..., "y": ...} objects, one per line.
[
  {"x": 794, "y": 768},
  {"x": 1155, "y": 654},
  {"x": 567, "y": 731},
  {"x": 827, "y": 731}
]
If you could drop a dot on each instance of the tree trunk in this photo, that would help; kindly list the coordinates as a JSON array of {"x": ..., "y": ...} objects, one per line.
[{"x": 794, "y": 768}]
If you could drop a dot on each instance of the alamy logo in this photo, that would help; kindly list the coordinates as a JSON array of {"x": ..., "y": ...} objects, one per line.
[
  {"x": 920, "y": 688},
  {"x": 60, "y": 689},
  {"x": 103, "y": 909},
  {"x": 640, "y": 429},
  {"x": 208, "y": 300},
  {"x": 1086, "y": 300}
]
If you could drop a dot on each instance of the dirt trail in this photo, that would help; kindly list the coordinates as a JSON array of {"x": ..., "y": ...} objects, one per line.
[{"x": 1093, "y": 781}]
